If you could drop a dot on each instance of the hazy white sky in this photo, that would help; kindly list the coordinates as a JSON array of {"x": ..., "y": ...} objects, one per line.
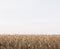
[{"x": 30, "y": 16}]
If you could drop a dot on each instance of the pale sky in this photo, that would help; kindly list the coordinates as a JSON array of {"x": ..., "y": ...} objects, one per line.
[{"x": 30, "y": 16}]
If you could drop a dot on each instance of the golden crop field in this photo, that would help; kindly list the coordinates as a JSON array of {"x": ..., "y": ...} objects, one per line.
[{"x": 29, "y": 41}]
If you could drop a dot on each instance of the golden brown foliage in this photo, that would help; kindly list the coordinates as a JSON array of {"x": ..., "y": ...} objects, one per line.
[{"x": 29, "y": 41}]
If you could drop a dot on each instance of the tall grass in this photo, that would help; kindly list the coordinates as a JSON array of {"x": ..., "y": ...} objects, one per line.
[{"x": 29, "y": 41}]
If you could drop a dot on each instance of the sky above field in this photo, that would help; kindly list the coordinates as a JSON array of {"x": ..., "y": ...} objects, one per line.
[{"x": 30, "y": 16}]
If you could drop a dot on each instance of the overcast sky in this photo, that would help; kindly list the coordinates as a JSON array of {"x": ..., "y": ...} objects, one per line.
[{"x": 30, "y": 16}]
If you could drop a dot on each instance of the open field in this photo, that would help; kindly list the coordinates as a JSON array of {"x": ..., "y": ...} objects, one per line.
[{"x": 29, "y": 41}]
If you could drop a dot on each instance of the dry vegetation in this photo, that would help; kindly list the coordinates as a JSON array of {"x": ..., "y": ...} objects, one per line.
[{"x": 29, "y": 41}]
